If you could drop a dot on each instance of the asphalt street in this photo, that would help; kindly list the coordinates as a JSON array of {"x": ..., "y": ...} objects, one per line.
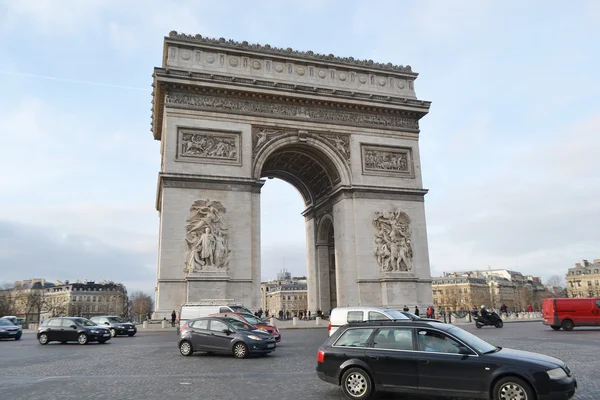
[{"x": 149, "y": 366}]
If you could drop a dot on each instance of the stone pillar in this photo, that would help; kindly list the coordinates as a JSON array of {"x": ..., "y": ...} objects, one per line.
[
  {"x": 295, "y": 321},
  {"x": 345, "y": 253}
]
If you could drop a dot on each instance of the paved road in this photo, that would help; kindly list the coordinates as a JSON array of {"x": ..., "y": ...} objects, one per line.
[{"x": 149, "y": 366}]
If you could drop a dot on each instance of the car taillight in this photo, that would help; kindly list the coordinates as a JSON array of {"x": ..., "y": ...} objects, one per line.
[
  {"x": 320, "y": 356},
  {"x": 183, "y": 327},
  {"x": 329, "y": 328}
]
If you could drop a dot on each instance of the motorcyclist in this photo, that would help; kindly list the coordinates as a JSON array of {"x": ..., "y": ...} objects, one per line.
[{"x": 484, "y": 312}]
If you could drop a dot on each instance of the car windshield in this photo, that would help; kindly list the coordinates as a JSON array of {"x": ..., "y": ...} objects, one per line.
[
  {"x": 395, "y": 314},
  {"x": 240, "y": 309},
  {"x": 410, "y": 315},
  {"x": 5, "y": 322},
  {"x": 252, "y": 319},
  {"x": 241, "y": 325},
  {"x": 116, "y": 319},
  {"x": 473, "y": 341},
  {"x": 85, "y": 322}
]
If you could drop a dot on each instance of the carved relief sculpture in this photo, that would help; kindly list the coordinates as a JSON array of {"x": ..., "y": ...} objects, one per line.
[
  {"x": 341, "y": 144},
  {"x": 209, "y": 145},
  {"x": 232, "y": 105},
  {"x": 393, "y": 249},
  {"x": 394, "y": 160},
  {"x": 207, "y": 237},
  {"x": 261, "y": 136}
]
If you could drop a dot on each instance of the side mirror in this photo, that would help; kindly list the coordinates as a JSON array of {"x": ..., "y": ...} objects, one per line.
[
  {"x": 74, "y": 326},
  {"x": 227, "y": 331},
  {"x": 106, "y": 323},
  {"x": 464, "y": 351}
]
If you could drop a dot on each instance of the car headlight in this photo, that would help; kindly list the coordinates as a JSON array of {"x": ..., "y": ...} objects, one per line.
[
  {"x": 254, "y": 337},
  {"x": 557, "y": 373},
  {"x": 2, "y": 330}
]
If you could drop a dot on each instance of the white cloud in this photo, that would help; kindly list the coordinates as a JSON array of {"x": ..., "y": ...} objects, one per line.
[{"x": 538, "y": 211}]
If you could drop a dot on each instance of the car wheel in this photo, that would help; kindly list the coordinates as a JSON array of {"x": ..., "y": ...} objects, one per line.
[
  {"x": 356, "y": 384},
  {"x": 240, "y": 350},
  {"x": 555, "y": 327},
  {"x": 568, "y": 325},
  {"x": 113, "y": 332},
  {"x": 18, "y": 337},
  {"x": 43, "y": 339},
  {"x": 513, "y": 388},
  {"x": 478, "y": 325},
  {"x": 499, "y": 324},
  {"x": 185, "y": 348},
  {"x": 82, "y": 338}
]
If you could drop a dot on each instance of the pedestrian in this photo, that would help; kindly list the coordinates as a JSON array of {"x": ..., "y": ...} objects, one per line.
[
  {"x": 173, "y": 317},
  {"x": 405, "y": 309},
  {"x": 417, "y": 311},
  {"x": 309, "y": 314}
]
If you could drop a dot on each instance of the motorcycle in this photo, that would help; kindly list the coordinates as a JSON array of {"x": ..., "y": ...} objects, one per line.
[{"x": 492, "y": 319}]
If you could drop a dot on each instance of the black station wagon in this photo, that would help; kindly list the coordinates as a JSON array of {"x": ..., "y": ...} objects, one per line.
[{"x": 429, "y": 358}]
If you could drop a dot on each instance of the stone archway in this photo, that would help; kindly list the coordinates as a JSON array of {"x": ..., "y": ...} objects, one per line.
[{"x": 344, "y": 132}]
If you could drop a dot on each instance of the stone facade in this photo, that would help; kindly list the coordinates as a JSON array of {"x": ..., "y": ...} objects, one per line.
[
  {"x": 584, "y": 279},
  {"x": 460, "y": 292},
  {"x": 37, "y": 299},
  {"x": 504, "y": 287},
  {"x": 343, "y": 132}
]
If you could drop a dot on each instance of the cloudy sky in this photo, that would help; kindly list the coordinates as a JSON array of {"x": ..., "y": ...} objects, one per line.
[{"x": 509, "y": 149}]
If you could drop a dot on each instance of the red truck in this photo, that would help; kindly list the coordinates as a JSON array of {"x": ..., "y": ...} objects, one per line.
[{"x": 569, "y": 313}]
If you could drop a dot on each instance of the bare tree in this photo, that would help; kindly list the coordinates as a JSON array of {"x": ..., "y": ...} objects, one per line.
[
  {"x": 141, "y": 304},
  {"x": 556, "y": 281},
  {"x": 7, "y": 300}
]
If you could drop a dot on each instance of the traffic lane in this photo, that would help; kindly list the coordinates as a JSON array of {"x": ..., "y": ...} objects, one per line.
[{"x": 150, "y": 365}]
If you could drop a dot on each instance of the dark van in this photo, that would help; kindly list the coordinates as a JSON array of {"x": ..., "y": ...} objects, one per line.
[{"x": 569, "y": 313}]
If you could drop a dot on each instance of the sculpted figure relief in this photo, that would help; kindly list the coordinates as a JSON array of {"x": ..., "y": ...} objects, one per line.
[
  {"x": 386, "y": 160},
  {"x": 393, "y": 249},
  {"x": 208, "y": 146},
  {"x": 207, "y": 237}
]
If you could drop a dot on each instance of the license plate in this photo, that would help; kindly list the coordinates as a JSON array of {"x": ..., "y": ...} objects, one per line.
[
  {"x": 270, "y": 346},
  {"x": 130, "y": 330},
  {"x": 106, "y": 334},
  {"x": 12, "y": 333}
]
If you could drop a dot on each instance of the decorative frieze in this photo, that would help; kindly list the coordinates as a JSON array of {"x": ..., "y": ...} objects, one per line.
[
  {"x": 218, "y": 147},
  {"x": 285, "y": 52},
  {"x": 287, "y": 111},
  {"x": 386, "y": 160}
]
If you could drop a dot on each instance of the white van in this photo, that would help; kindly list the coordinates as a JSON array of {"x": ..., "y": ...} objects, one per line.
[
  {"x": 342, "y": 315},
  {"x": 199, "y": 310}
]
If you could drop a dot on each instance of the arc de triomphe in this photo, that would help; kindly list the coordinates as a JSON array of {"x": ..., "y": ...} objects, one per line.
[{"x": 344, "y": 132}]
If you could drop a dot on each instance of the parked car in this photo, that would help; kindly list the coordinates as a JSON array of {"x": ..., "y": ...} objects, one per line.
[
  {"x": 224, "y": 335},
  {"x": 72, "y": 329},
  {"x": 8, "y": 330},
  {"x": 415, "y": 317},
  {"x": 257, "y": 322},
  {"x": 116, "y": 325},
  {"x": 341, "y": 316},
  {"x": 195, "y": 310},
  {"x": 569, "y": 313},
  {"x": 427, "y": 358},
  {"x": 13, "y": 320}
]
